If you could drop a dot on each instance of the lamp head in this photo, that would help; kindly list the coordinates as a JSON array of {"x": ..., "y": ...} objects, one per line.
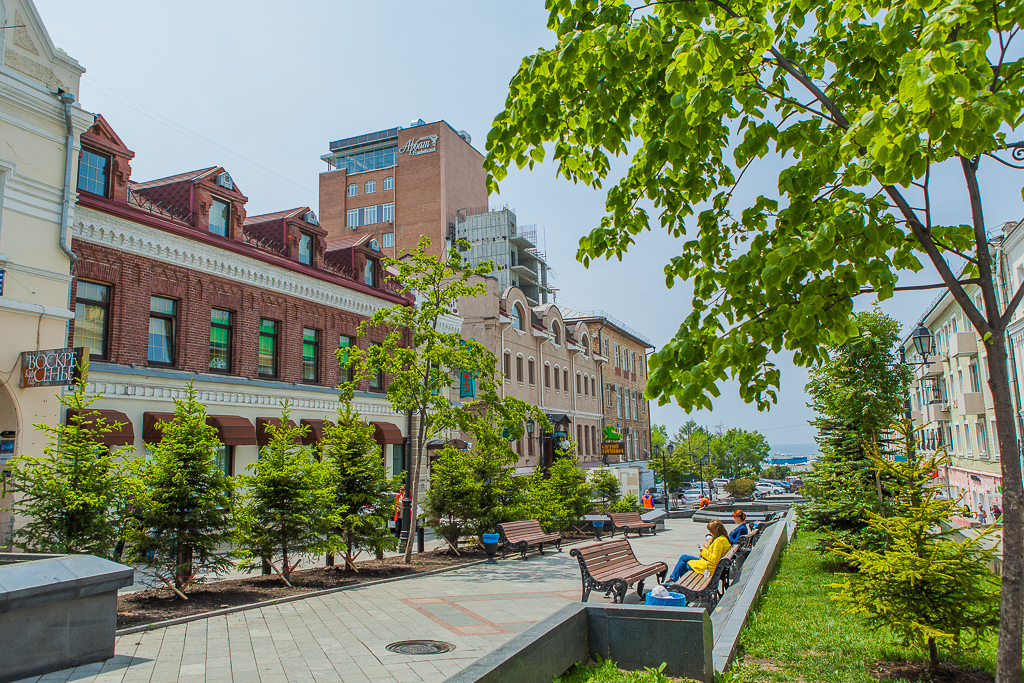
[
  {"x": 529, "y": 426},
  {"x": 924, "y": 340}
]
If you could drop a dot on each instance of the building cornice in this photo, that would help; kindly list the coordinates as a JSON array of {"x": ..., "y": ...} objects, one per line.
[{"x": 186, "y": 251}]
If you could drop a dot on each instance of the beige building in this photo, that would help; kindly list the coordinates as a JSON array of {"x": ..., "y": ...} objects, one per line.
[
  {"x": 545, "y": 361},
  {"x": 40, "y": 127}
]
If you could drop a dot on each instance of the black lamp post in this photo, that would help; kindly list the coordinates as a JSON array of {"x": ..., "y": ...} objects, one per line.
[
  {"x": 665, "y": 470},
  {"x": 529, "y": 434}
]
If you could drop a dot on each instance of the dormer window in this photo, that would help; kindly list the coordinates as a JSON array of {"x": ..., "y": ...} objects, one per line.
[
  {"x": 556, "y": 334},
  {"x": 93, "y": 172},
  {"x": 370, "y": 272},
  {"x": 219, "y": 217},
  {"x": 306, "y": 249},
  {"x": 517, "y": 317}
]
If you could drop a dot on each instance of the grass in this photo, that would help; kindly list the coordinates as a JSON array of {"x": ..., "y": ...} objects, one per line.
[
  {"x": 605, "y": 671},
  {"x": 798, "y": 634}
]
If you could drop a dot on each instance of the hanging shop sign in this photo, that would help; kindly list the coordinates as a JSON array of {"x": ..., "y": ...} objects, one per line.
[
  {"x": 53, "y": 367},
  {"x": 425, "y": 145},
  {"x": 613, "y": 448}
]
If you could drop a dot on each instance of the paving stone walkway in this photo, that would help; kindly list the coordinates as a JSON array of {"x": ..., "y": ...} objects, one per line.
[{"x": 342, "y": 636}]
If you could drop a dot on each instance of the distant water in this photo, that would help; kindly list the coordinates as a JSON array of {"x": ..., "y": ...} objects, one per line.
[{"x": 805, "y": 449}]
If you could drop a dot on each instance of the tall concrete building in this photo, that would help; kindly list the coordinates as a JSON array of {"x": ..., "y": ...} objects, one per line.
[{"x": 494, "y": 236}]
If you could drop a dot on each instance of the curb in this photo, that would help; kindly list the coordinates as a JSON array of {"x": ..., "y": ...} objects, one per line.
[{"x": 290, "y": 598}]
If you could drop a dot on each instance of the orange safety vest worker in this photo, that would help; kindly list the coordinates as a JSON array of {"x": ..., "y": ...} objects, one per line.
[
  {"x": 648, "y": 500},
  {"x": 398, "y": 505}
]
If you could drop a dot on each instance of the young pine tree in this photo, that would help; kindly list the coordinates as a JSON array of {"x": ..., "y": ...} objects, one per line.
[
  {"x": 925, "y": 586},
  {"x": 285, "y": 507},
  {"x": 183, "y": 512},
  {"x": 74, "y": 499},
  {"x": 363, "y": 494},
  {"x": 453, "y": 500},
  {"x": 606, "y": 487}
]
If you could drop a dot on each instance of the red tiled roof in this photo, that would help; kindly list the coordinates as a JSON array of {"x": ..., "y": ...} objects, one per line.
[{"x": 191, "y": 175}]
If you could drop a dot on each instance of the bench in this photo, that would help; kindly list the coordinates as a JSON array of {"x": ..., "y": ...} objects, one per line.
[
  {"x": 611, "y": 566},
  {"x": 706, "y": 589},
  {"x": 746, "y": 543},
  {"x": 519, "y": 536},
  {"x": 630, "y": 521}
]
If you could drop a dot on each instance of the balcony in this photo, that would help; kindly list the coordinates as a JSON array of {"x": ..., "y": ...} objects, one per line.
[
  {"x": 971, "y": 404},
  {"x": 937, "y": 412},
  {"x": 963, "y": 344},
  {"x": 523, "y": 271},
  {"x": 932, "y": 369}
]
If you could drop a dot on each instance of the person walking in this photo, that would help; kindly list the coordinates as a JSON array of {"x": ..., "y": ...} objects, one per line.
[
  {"x": 711, "y": 552},
  {"x": 648, "y": 500}
]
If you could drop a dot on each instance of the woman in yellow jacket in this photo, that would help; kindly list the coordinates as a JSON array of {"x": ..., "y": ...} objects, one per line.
[{"x": 710, "y": 553}]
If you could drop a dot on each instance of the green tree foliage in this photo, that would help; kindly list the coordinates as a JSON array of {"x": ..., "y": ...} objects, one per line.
[
  {"x": 76, "y": 498},
  {"x": 183, "y": 512},
  {"x": 739, "y": 450},
  {"x": 858, "y": 394},
  {"x": 674, "y": 469},
  {"x": 285, "y": 506},
  {"x": 777, "y": 472},
  {"x": 565, "y": 491},
  {"x": 659, "y": 436},
  {"x": 606, "y": 488},
  {"x": 739, "y": 488},
  {"x": 858, "y": 106},
  {"x": 453, "y": 500},
  {"x": 420, "y": 359},
  {"x": 924, "y": 585},
  {"x": 364, "y": 496},
  {"x": 628, "y": 504}
]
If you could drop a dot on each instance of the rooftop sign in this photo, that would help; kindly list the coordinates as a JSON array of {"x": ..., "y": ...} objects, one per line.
[{"x": 425, "y": 145}]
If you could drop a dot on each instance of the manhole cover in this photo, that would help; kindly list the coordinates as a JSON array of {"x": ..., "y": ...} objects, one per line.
[{"x": 420, "y": 647}]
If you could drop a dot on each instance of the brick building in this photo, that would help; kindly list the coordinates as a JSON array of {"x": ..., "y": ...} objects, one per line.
[
  {"x": 402, "y": 183},
  {"x": 175, "y": 283},
  {"x": 623, "y": 380}
]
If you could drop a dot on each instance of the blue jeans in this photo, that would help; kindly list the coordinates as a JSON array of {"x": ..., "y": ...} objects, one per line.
[{"x": 681, "y": 567}]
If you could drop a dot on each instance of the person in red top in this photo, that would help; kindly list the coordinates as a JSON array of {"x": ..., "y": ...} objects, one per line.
[
  {"x": 398, "y": 503},
  {"x": 648, "y": 501}
]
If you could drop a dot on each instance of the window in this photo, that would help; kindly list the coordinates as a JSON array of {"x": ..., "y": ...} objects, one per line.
[
  {"x": 353, "y": 189},
  {"x": 367, "y": 161},
  {"x": 565, "y": 380},
  {"x": 579, "y": 383},
  {"x": 586, "y": 440},
  {"x": 507, "y": 365},
  {"x": 225, "y": 459},
  {"x": 92, "y": 172},
  {"x": 967, "y": 439},
  {"x": 579, "y": 437},
  {"x": 610, "y": 392},
  {"x": 975, "y": 381},
  {"x": 529, "y": 368},
  {"x": 388, "y": 212},
  {"x": 547, "y": 376},
  {"x": 267, "y": 357},
  {"x": 345, "y": 374},
  {"x": 387, "y": 239},
  {"x": 369, "y": 215},
  {"x": 982, "y": 439},
  {"x": 220, "y": 340},
  {"x": 586, "y": 346},
  {"x": 310, "y": 355},
  {"x": 556, "y": 334},
  {"x": 605, "y": 348},
  {"x": 389, "y": 183},
  {"x": 593, "y": 387},
  {"x": 517, "y": 317},
  {"x": 377, "y": 378},
  {"x": 370, "y": 187},
  {"x": 162, "y": 313},
  {"x": 593, "y": 438},
  {"x": 634, "y": 362},
  {"x": 557, "y": 375},
  {"x": 519, "y": 369},
  {"x": 219, "y": 217},
  {"x": 306, "y": 249},
  {"x": 370, "y": 272},
  {"x": 352, "y": 218},
  {"x": 618, "y": 403},
  {"x": 617, "y": 355},
  {"x": 91, "y": 317}
]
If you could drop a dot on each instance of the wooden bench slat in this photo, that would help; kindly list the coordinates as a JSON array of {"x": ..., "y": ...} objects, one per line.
[{"x": 612, "y": 567}]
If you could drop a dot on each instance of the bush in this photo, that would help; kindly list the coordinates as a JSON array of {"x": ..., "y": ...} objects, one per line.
[
  {"x": 739, "y": 488},
  {"x": 606, "y": 487},
  {"x": 628, "y": 504}
]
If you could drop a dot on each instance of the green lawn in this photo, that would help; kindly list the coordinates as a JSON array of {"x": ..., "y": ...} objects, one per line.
[
  {"x": 798, "y": 633},
  {"x": 606, "y": 672}
]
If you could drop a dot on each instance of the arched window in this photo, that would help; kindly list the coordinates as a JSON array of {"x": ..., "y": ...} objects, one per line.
[
  {"x": 579, "y": 438},
  {"x": 586, "y": 345},
  {"x": 579, "y": 382},
  {"x": 508, "y": 365},
  {"x": 556, "y": 333},
  {"x": 517, "y": 317},
  {"x": 556, "y": 378},
  {"x": 586, "y": 441}
]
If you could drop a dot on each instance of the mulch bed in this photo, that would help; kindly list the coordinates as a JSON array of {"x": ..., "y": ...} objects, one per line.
[
  {"x": 158, "y": 604},
  {"x": 918, "y": 671}
]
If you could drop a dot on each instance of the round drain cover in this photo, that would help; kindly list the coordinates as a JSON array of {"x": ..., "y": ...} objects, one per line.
[{"x": 420, "y": 647}]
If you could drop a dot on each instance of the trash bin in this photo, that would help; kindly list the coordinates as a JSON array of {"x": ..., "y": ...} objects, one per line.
[
  {"x": 491, "y": 546},
  {"x": 675, "y": 600}
]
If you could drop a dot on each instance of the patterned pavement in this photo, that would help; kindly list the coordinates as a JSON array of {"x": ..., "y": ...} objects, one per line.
[{"x": 342, "y": 636}]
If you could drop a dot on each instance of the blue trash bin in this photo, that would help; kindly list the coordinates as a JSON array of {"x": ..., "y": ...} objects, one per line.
[
  {"x": 491, "y": 546},
  {"x": 676, "y": 600}
]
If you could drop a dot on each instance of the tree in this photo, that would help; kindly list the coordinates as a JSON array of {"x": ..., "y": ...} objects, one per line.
[
  {"x": 674, "y": 469},
  {"x": 739, "y": 450},
  {"x": 363, "y": 494},
  {"x": 285, "y": 506},
  {"x": 739, "y": 488},
  {"x": 605, "y": 486},
  {"x": 417, "y": 356},
  {"x": 453, "y": 500},
  {"x": 925, "y": 586},
  {"x": 659, "y": 436},
  {"x": 857, "y": 393},
  {"x": 183, "y": 510},
  {"x": 76, "y": 498},
  {"x": 777, "y": 472},
  {"x": 566, "y": 490},
  {"x": 858, "y": 108}
]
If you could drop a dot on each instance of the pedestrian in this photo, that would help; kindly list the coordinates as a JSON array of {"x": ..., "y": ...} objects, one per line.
[
  {"x": 714, "y": 549},
  {"x": 997, "y": 514},
  {"x": 705, "y": 501},
  {"x": 398, "y": 511},
  {"x": 741, "y": 530},
  {"x": 648, "y": 500}
]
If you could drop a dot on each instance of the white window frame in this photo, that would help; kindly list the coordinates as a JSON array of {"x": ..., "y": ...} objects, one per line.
[
  {"x": 353, "y": 190},
  {"x": 389, "y": 212},
  {"x": 387, "y": 239},
  {"x": 389, "y": 182},
  {"x": 369, "y": 187},
  {"x": 352, "y": 218},
  {"x": 368, "y": 213}
]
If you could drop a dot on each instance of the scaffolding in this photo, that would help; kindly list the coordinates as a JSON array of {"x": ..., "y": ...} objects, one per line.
[{"x": 494, "y": 236}]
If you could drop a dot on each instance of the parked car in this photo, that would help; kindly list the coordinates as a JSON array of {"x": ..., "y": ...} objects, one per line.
[
  {"x": 657, "y": 494},
  {"x": 784, "y": 485},
  {"x": 766, "y": 488},
  {"x": 719, "y": 482},
  {"x": 691, "y": 496}
]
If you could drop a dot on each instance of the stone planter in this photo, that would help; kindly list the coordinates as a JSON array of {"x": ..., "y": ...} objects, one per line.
[{"x": 57, "y": 611}]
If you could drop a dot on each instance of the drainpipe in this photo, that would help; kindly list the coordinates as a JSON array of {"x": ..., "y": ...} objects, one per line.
[{"x": 67, "y": 99}]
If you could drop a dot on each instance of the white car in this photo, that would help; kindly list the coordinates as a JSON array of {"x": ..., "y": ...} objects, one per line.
[
  {"x": 763, "y": 488},
  {"x": 691, "y": 496}
]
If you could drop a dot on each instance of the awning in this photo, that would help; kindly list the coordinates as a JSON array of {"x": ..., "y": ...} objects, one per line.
[
  {"x": 262, "y": 435},
  {"x": 233, "y": 430},
  {"x": 437, "y": 444},
  {"x": 315, "y": 433},
  {"x": 117, "y": 437},
  {"x": 151, "y": 432},
  {"x": 385, "y": 433},
  {"x": 558, "y": 418}
]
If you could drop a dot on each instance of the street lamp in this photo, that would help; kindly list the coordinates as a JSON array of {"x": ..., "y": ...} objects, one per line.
[
  {"x": 924, "y": 342},
  {"x": 664, "y": 467}
]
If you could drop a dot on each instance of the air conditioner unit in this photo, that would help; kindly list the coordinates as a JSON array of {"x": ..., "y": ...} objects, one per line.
[
  {"x": 310, "y": 218},
  {"x": 224, "y": 180}
]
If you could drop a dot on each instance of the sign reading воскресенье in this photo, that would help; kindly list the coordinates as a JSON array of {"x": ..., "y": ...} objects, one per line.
[{"x": 51, "y": 368}]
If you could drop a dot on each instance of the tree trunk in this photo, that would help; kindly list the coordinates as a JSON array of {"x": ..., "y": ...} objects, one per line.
[
  {"x": 414, "y": 484},
  {"x": 1011, "y": 616},
  {"x": 933, "y": 655}
]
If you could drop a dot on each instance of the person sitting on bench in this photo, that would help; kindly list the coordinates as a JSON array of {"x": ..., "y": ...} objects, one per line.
[
  {"x": 716, "y": 547},
  {"x": 741, "y": 530}
]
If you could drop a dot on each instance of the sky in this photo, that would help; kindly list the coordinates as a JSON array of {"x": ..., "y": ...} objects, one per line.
[{"x": 261, "y": 88}]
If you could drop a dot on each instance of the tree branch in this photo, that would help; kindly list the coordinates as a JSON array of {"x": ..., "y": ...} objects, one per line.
[{"x": 914, "y": 288}]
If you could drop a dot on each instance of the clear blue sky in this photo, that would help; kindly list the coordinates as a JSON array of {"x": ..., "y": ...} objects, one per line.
[{"x": 262, "y": 87}]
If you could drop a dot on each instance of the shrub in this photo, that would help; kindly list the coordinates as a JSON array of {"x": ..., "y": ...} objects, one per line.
[
  {"x": 739, "y": 488},
  {"x": 628, "y": 504}
]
